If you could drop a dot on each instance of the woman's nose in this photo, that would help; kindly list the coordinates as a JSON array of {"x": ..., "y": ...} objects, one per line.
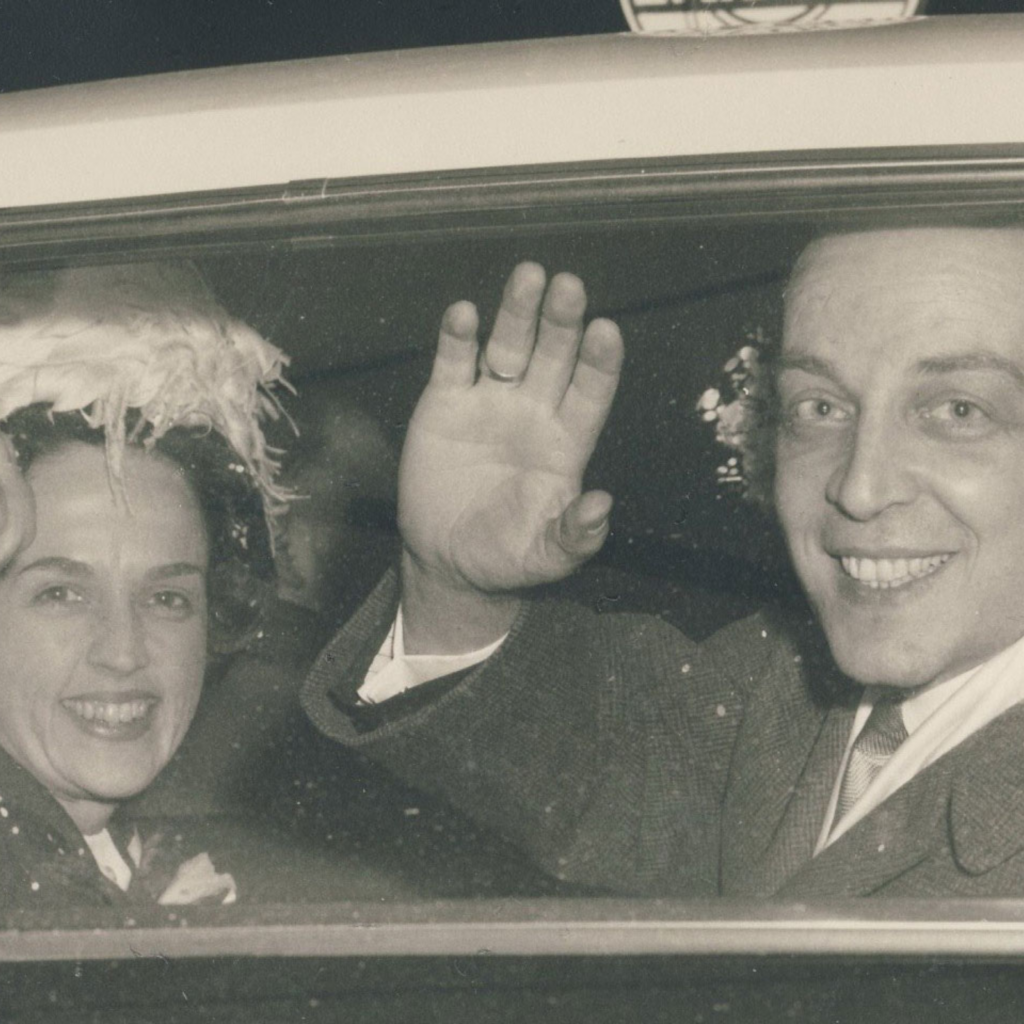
[
  {"x": 874, "y": 473},
  {"x": 119, "y": 643}
]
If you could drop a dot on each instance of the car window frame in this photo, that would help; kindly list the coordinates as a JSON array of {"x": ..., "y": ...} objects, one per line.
[{"x": 851, "y": 186}]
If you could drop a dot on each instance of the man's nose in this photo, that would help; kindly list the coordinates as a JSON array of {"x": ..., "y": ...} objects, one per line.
[
  {"x": 875, "y": 473},
  {"x": 119, "y": 644}
]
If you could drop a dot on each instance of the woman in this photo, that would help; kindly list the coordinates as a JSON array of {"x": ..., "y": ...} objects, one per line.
[
  {"x": 131, "y": 408},
  {"x": 130, "y": 418}
]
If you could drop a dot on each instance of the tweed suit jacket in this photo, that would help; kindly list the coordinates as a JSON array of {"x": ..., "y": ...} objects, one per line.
[{"x": 621, "y": 754}]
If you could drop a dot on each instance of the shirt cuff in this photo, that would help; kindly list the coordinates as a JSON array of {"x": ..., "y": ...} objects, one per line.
[{"x": 393, "y": 671}]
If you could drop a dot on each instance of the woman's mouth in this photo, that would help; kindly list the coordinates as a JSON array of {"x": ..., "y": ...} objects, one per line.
[
  {"x": 888, "y": 573},
  {"x": 124, "y": 717}
]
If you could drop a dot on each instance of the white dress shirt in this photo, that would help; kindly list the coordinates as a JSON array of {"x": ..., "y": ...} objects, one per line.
[
  {"x": 937, "y": 717},
  {"x": 393, "y": 671},
  {"x": 195, "y": 880},
  {"x": 109, "y": 860}
]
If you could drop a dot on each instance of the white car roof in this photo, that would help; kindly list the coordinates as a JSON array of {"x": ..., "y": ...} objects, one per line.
[{"x": 927, "y": 82}]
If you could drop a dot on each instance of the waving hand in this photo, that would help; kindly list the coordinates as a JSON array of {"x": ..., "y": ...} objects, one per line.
[{"x": 490, "y": 483}]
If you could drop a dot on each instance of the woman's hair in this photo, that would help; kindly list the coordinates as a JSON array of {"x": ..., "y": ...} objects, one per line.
[
  {"x": 142, "y": 355},
  {"x": 241, "y": 573}
]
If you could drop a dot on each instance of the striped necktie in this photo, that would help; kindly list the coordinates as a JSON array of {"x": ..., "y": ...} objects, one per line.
[{"x": 881, "y": 736}]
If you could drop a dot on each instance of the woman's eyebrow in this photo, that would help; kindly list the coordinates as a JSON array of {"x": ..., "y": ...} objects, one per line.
[
  {"x": 71, "y": 567},
  {"x": 175, "y": 569},
  {"x": 973, "y": 361},
  {"x": 68, "y": 566}
]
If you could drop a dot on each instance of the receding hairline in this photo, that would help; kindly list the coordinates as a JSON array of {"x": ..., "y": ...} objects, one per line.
[{"x": 818, "y": 247}]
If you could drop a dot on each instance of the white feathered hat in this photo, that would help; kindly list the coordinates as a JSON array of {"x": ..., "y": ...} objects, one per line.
[{"x": 105, "y": 340}]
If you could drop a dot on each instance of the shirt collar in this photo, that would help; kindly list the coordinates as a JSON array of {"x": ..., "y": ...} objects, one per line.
[{"x": 923, "y": 702}]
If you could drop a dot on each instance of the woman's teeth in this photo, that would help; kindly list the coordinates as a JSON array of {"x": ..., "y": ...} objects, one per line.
[
  {"x": 885, "y": 573},
  {"x": 109, "y": 712}
]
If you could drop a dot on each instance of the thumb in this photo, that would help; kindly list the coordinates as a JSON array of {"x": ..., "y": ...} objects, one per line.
[
  {"x": 581, "y": 530},
  {"x": 17, "y": 506}
]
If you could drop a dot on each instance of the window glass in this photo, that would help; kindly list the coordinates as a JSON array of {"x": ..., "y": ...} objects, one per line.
[
  {"x": 301, "y": 822},
  {"x": 360, "y": 324}
]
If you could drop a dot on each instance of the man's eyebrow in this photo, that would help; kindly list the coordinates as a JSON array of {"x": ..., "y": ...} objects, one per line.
[
  {"x": 68, "y": 566},
  {"x": 933, "y": 365},
  {"x": 175, "y": 569},
  {"x": 809, "y": 364},
  {"x": 974, "y": 361}
]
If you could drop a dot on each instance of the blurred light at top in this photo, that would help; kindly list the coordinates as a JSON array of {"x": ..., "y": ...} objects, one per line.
[{"x": 704, "y": 17}]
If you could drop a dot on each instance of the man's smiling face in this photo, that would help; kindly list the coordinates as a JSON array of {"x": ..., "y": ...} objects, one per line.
[{"x": 900, "y": 450}]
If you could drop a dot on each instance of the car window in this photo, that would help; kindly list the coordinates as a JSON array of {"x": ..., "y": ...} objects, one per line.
[{"x": 342, "y": 856}]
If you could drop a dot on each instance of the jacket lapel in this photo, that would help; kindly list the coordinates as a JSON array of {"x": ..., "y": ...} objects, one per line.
[
  {"x": 968, "y": 806},
  {"x": 787, "y": 756},
  {"x": 986, "y": 811},
  {"x": 893, "y": 838}
]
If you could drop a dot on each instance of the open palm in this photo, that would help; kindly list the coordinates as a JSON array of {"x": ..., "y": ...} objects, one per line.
[{"x": 489, "y": 491}]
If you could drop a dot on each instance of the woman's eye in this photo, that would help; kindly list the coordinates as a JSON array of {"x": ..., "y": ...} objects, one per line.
[
  {"x": 171, "y": 602},
  {"x": 58, "y": 596}
]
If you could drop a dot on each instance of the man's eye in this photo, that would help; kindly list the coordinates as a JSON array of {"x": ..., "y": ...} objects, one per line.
[
  {"x": 818, "y": 410},
  {"x": 958, "y": 409},
  {"x": 58, "y": 596},
  {"x": 958, "y": 415},
  {"x": 172, "y": 603}
]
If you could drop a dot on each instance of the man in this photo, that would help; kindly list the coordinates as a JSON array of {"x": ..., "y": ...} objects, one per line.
[{"x": 620, "y": 753}]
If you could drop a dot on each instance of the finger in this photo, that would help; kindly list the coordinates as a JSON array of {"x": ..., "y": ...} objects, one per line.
[
  {"x": 515, "y": 327},
  {"x": 17, "y": 506},
  {"x": 558, "y": 339},
  {"x": 455, "y": 360},
  {"x": 581, "y": 529},
  {"x": 594, "y": 381}
]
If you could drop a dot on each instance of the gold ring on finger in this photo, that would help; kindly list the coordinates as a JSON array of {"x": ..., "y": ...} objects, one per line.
[{"x": 501, "y": 378}]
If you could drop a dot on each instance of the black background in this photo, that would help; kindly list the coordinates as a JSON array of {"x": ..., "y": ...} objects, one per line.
[{"x": 56, "y": 42}]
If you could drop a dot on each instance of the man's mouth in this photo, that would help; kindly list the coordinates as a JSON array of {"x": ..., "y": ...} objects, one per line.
[{"x": 888, "y": 573}]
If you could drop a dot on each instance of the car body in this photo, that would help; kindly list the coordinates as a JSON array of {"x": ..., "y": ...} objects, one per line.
[{"x": 598, "y": 151}]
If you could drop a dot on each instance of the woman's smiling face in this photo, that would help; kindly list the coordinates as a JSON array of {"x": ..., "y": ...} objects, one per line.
[{"x": 103, "y": 628}]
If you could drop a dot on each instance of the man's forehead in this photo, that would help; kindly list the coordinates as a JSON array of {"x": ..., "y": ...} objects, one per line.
[
  {"x": 911, "y": 250},
  {"x": 953, "y": 285}
]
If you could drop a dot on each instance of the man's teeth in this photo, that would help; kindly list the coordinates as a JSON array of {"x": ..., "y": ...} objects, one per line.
[
  {"x": 109, "y": 712},
  {"x": 885, "y": 573}
]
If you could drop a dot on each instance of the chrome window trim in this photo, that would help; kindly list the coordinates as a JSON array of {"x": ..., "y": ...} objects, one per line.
[
  {"x": 755, "y": 186},
  {"x": 966, "y": 930}
]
